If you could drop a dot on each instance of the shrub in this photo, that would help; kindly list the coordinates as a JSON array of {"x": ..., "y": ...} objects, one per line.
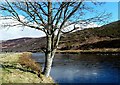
[{"x": 26, "y": 61}]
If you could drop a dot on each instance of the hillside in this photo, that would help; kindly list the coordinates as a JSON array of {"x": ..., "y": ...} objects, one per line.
[
  {"x": 107, "y": 36},
  {"x": 23, "y": 44},
  {"x": 77, "y": 39}
]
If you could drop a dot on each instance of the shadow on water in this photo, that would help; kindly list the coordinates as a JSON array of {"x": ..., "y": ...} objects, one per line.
[{"x": 84, "y": 68}]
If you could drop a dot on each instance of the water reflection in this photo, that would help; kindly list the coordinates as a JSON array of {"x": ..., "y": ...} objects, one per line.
[{"x": 72, "y": 68}]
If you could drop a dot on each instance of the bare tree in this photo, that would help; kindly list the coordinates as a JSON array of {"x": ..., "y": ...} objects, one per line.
[{"x": 52, "y": 18}]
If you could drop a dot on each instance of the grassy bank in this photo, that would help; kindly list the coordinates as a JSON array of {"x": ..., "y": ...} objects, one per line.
[
  {"x": 14, "y": 68},
  {"x": 104, "y": 50}
]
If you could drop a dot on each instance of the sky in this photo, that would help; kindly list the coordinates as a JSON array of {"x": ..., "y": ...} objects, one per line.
[{"x": 19, "y": 32}]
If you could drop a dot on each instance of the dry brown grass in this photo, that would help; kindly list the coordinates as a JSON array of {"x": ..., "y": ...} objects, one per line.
[{"x": 26, "y": 61}]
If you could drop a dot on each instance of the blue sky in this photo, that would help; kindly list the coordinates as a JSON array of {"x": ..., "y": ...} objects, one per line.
[
  {"x": 12, "y": 33},
  {"x": 108, "y": 7},
  {"x": 111, "y": 7}
]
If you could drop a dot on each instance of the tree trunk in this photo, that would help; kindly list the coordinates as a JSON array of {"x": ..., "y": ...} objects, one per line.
[
  {"x": 48, "y": 64},
  {"x": 49, "y": 55}
]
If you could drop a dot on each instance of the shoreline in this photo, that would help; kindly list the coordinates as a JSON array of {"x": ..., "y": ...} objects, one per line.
[{"x": 92, "y": 51}]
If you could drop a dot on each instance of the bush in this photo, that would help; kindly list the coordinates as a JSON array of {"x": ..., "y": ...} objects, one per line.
[{"x": 26, "y": 61}]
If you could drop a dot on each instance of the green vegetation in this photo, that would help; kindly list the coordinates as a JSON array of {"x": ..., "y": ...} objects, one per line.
[{"x": 20, "y": 68}]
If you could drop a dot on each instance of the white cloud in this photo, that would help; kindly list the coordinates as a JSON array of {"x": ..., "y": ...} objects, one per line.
[
  {"x": 13, "y": 33},
  {"x": 17, "y": 31},
  {"x": 81, "y": 26}
]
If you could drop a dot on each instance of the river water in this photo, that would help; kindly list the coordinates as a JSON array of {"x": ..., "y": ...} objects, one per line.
[{"x": 84, "y": 68}]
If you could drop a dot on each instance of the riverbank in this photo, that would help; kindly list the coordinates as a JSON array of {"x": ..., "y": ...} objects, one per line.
[
  {"x": 12, "y": 69},
  {"x": 92, "y": 51}
]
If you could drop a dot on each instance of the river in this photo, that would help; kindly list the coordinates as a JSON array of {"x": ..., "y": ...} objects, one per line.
[{"x": 84, "y": 68}]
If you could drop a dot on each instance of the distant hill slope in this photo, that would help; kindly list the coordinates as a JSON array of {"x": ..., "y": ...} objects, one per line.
[
  {"x": 23, "y": 44},
  {"x": 92, "y": 35},
  {"x": 107, "y": 36}
]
